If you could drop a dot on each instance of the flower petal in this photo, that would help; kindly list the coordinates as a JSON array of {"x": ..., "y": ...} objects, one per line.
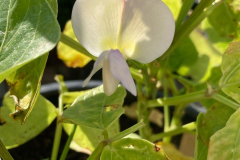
[
  {"x": 97, "y": 65},
  {"x": 110, "y": 83},
  {"x": 121, "y": 71},
  {"x": 96, "y": 24},
  {"x": 147, "y": 29}
]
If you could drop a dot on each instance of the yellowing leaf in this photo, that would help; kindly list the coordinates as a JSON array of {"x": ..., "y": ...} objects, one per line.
[
  {"x": 171, "y": 152},
  {"x": 68, "y": 55}
]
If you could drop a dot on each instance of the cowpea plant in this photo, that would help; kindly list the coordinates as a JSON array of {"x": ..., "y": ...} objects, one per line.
[{"x": 159, "y": 44}]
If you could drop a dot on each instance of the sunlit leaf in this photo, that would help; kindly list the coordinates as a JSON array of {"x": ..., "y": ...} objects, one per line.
[
  {"x": 201, "y": 149},
  {"x": 195, "y": 57},
  {"x": 225, "y": 19},
  {"x": 218, "y": 42},
  {"x": 54, "y": 6},
  {"x": 132, "y": 149},
  {"x": 171, "y": 152},
  {"x": 25, "y": 82},
  {"x": 68, "y": 55},
  {"x": 89, "y": 138},
  {"x": 230, "y": 81},
  {"x": 225, "y": 143},
  {"x": 214, "y": 120},
  {"x": 69, "y": 97},
  {"x": 95, "y": 110},
  {"x": 24, "y": 86},
  {"x": 14, "y": 134},
  {"x": 28, "y": 29}
]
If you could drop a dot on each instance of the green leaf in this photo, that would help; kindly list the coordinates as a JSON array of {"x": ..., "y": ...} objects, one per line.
[
  {"x": 24, "y": 86},
  {"x": 175, "y": 6},
  {"x": 201, "y": 149},
  {"x": 225, "y": 19},
  {"x": 14, "y": 134},
  {"x": 54, "y": 6},
  {"x": 28, "y": 29},
  {"x": 218, "y": 42},
  {"x": 95, "y": 110},
  {"x": 230, "y": 81},
  {"x": 89, "y": 138},
  {"x": 214, "y": 120},
  {"x": 195, "y": 57},
  {"x": 132, "y": 149},
  {"x": 69, "y": 97},
  {"x": 225, "y": 143},
  {"x": 172, "y": 152}
]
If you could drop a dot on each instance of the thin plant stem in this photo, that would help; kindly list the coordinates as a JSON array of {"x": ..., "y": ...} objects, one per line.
[
  {"x": 136, "y": 75},
  {"x": 199, "y": 13},
  {"x": 186, "y": 6},
  {"x": 98, "y": 151},
  {"x": 96, "y": 154},
  {"x": 185, "y": 128},
  {"x": 140, "y": 105},
  {"x": 58, "y": 132},
  {"x": 166, "y": 110},
  {"x": 67, "y": 145},
  {"x": 4, "y": 154},
  {"x": 177, "y": 115},
  {"x": 177, "y": 100},
  {"x": 75, "y": 45},
  {"x": 147, "y": 81},
  {"x": 127, "y": 132},
  {"x": 226, "y": 101}
]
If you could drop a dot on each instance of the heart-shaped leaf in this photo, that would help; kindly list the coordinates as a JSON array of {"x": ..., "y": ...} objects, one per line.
[
  {"x": 89, "y": 138},
  {"x": 96, "y": 110},
  {"x": 14, "y": 134},
  {"x": 28, "y": 29},
  {"x": 132, "y": 149},
  {"x": 201, "y": 149},
  {"x": 24, "y": 86},
  {"x": 214, "y": 120},
  {"x": 230, "y": 81},
  {"x": 225, "y": 143}
]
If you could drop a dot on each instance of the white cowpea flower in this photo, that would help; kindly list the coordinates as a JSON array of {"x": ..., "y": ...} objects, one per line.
[{"x": 116, "y": 30}]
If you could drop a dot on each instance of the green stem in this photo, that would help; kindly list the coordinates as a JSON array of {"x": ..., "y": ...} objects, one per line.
[
  {"x": 185, "y": 128},
  {"x": 186, "y": 6},
  {"x": 4, "y": 154},
  {"x": 177, "y": 115},
  {"x": 199, "y": 13},
  {"x": 105, "y": 134},
  {"x": 177, "y": 100},
  {"x": 140, "y": 98},
  {"x": 58, "y": 132},
  {"x": 172, "y": 86},
  {"x": 75, "y": 45},
  {"x": 98, "y": 151},
  {"x": 136, "y": 75},
  {"x": 69, "y": 140},
  {"x": 127, "y": 132},
  {"x": 147, "y": 81},
  {"x": 166, "y": 110},
  {"x": 225, "y": 101}
]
